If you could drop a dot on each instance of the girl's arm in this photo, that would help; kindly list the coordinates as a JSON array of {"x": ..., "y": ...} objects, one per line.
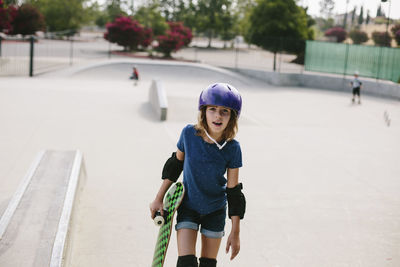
[
  {"x": 233, "y": 239},
  {"x": 157, "y": 204}
]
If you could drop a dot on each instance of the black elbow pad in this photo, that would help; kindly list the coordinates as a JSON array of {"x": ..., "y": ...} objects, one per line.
[
  {"x": 236, "y": 201},
  {"x": 172, "y": 168}
]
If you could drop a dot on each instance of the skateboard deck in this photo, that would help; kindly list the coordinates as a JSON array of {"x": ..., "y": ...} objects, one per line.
[{"x": 172, "y": 200}]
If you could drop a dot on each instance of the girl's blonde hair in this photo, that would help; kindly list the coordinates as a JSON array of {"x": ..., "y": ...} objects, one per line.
[{"x": 230, "y": 130}]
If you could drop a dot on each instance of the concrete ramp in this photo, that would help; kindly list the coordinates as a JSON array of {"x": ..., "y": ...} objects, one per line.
[{"x": 34, "y": 227}]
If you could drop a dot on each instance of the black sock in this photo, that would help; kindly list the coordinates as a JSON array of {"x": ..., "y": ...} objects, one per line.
[{"x": 187, "y": 261}]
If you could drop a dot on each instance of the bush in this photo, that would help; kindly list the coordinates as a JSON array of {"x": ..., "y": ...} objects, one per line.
[
  {"x": 128, "y": 33},
  {"x": 381, "y": 38},
  {"x": 7, "y": 15},
  {"x": 396, "y": 33},
  {"x": 28, "y": 20},
  {"x": 395, "y": 29},
  {"x": 358, "y": 36},
  {"x": 174, "y": 39},
  {"x": 337, "y": 32},
  {"x": 170, "y": 42},
  {"x": 397, "y": 37},
  {"x": 181, "y": 29}
]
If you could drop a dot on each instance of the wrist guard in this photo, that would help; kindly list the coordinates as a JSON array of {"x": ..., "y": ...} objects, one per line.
[
  {"x": 172, "y": 168},
  {"x": 236, "y": 201}
]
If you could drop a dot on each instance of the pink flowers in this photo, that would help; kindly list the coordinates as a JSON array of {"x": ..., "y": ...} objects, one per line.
[
  {"x": 174, "y": 39},
  {"x": 337, "y": 32},
  {"x": 7, "y": 16},
  {"x": 128, "y": 33},
  {"x": 132, "y": 35}
]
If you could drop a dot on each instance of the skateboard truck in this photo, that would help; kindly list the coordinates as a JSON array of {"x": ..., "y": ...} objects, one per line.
[{"x": 159, "y": 219}]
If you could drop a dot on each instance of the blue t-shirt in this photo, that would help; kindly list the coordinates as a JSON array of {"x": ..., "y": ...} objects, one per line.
[{"x": 204, "y": 169}]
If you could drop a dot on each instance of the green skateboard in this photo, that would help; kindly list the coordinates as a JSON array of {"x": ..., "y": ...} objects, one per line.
[{"x": 172, "y": 200}]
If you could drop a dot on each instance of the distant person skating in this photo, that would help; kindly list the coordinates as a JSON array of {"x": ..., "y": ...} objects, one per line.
[
  {"x": 356, "y": 84},
  {"x": 135, "y": 75}
]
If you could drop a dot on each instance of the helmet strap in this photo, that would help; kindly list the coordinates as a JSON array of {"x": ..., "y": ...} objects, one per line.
[{"x": 212, "y": 139}]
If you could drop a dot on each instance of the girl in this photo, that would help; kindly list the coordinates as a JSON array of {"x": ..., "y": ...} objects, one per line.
[{"x": 205, "y": 152}]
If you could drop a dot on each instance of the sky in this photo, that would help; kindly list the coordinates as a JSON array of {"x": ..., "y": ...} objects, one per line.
[
  {"x": 371, "y": 5},
  {"x": 340, "y": 6}
]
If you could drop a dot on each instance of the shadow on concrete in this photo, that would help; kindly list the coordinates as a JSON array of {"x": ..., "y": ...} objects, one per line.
[{"x": 146, "y": 111}]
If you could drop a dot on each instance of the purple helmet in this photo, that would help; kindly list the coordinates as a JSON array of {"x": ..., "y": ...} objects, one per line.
[{"x": 221, "y": 94}]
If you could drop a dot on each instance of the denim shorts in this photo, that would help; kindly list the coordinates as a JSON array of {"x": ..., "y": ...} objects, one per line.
[{"x": 212, "y": 224}]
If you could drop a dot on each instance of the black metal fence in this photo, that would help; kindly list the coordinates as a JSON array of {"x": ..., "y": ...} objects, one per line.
[
  {"x": 35, "y": 55},
  {"x": 238, "y": 54}
]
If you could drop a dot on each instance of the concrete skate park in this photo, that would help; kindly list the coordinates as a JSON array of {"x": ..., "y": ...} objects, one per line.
[{"x": 321, "y": 175}]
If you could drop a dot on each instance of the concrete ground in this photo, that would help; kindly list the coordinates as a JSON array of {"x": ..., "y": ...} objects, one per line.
[{"x": 321, "y": 175}]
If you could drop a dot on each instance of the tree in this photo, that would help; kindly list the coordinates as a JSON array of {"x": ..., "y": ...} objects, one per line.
[
  {"x": 209, "y": 16},
  {"x": 279, "y": 25},
  {"x": 379, "y": 11},
  {"x": 114, "y": 9},
  {"x": 127, "y": 33},
  {"x": 368, "y": 18},
  {"x": 150, "y": 17},
  {"x": 338, "y": 32},
  {"x": 353, "y": 15},
  {"x": 361, "y": 16},
  {"x": 28, "y": 20},
  {"x": 358, "y": 37},
  {"x": 243, "y": 11},
  {"x": 229, "y": 26},
  {"x": 381, "y": 38},
  {"x": 326, "y": 7},
  {"x": 61, "y": 15}
]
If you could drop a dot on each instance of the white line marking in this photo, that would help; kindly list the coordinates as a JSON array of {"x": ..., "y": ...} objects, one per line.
[{"x": 14, "y": 202}]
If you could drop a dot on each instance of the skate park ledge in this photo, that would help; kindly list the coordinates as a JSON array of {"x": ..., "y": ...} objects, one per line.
[
  {"x": 41, "y": 211},
  {"x": 384, "y": 89},
  {"x": 158, "y": 99}
]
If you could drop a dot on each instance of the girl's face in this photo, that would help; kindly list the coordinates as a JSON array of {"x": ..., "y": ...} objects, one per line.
[{"x": 217, "y": 118}]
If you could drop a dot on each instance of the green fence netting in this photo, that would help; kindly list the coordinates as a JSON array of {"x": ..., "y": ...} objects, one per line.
[{"x": 370, "y": 61}]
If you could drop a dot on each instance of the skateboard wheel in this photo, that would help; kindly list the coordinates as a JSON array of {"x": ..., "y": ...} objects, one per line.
[{"x": 159, "y": 220}]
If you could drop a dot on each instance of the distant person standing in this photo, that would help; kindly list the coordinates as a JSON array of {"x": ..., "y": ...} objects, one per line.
[
  {"x": 135, "y": 75},
  {"x": 356, "y": 84}
]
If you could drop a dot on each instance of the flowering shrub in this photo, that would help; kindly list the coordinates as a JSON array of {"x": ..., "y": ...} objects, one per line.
[
  {"x": 128, "y": 33},
  {"x": 147, "y": 37},
  {"x": 7, "y": 15},
  {"x": 382, "y": 38},
  {"x": 395, "y": 29},
  {"x": 397, "y": 37},
  {"x": 396, "y": 33},
  {"x": 358, "y": 37},
  {"x": 174, "y": 39},
  {"x": 28, "y": 20},
  {"x": 337, "y": 32},
  {"x": 184, "y": 31}
]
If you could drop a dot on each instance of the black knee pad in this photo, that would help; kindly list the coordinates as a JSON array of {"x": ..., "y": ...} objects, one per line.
[
  {"x": 187, "y": 261},
  {"x": 206, "y": 262}
]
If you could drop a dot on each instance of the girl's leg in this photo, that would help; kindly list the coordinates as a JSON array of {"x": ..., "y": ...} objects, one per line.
[
  {"x": 209, "y": 251},
  {"x": 187, "y": 248},
  {"x": 186, "y": 242}
]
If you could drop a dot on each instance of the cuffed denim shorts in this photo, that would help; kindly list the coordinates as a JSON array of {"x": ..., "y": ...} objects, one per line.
[{"x": 212, "y": 225}]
